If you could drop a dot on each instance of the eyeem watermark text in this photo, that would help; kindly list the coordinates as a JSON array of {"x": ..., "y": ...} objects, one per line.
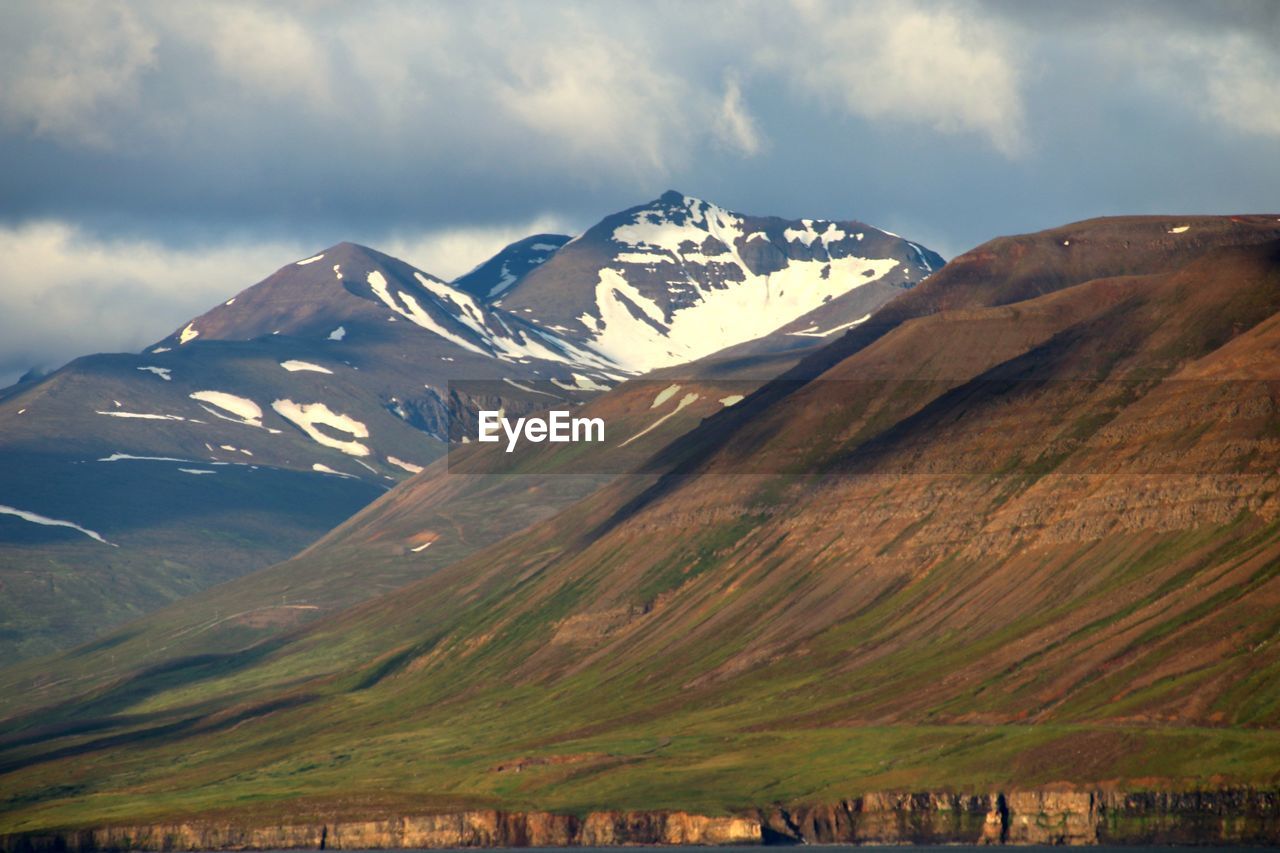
[{"x": 558, "y": 426}]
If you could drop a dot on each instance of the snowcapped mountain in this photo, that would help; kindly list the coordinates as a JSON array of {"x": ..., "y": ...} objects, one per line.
[
  {"x": 660, "y": 284},
  {"x": 679, "y": 278},
  {"x": 350, "y": 293},
  {"x": 495, "y": 276},
  {"x": 248, "y": 432}
]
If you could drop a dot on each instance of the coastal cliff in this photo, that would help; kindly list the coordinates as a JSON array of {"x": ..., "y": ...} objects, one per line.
[{"x": 1231, "y": 816}]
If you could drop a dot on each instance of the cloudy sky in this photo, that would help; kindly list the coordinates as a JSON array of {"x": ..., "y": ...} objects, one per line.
[{"x": 160, "y": 156}]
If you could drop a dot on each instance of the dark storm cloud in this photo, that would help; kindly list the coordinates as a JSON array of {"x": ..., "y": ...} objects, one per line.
[{"x": 218, "y": 140}]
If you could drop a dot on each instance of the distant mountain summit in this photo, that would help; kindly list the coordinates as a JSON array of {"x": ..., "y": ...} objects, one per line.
[
  {"x": 495, "y": 276},
  {"x": 350, "y": 293},
  {"x": 679, "y": 278}
]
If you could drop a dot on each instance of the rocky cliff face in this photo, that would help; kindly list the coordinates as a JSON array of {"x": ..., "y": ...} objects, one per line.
[
  {"x": 484, "y": 828},
  {"x": 1232, "y": 816}
]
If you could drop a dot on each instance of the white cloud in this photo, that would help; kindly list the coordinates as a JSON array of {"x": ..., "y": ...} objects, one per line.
[
  {"x": 735, "y": 126},
  {"x": 75, "y": 64},
  {"x": 560, "y": 86},
  {"x": 1232, "y": 78},
  {"x": 265, "y": 50},
  {"x": 403, "y": 66},
  {"x": 601, "y": 99},
  {"x": 63, "y": 294},
  {"x": 932, "y": 65}
]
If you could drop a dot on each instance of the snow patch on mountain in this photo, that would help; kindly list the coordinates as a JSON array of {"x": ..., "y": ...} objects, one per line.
[
  {"x": 687, "y": 400},
  {"x": 637, "y": 332},
  {"x": 408, "y": 466},
  {"x": 293, "y": 365},
  {"x": 245, "y": 410},
  {"x": 321, "y": 468},
  {"x": 310, "y": 260},
  {"x": 920, "y": 256},
  {"x": 162, "y": 372},
  {"x": 495, "y": 335},
  {"x": 307, "y": 416},
  {"x": 645, "y": 258},
  {"x": 808, "y": 233},
  {"x": 463, "y": 308},
  {"x": 407, "y": 306},
  {"x": 122, "y": 457},
  {"x": 505, "y": 280},
  {"x": 579, "y": 383},
  {"x": 188, "y": 333},
  {"x": 516, "y": 384},
  {"x": 633, "y": 331},
  {"x": 36, "y": 518},
  {"x": 146, "y": 416},
  {"x": 814, "y": 332},
  {"x": 654, "y": 230},
  {"x": 664, "y": 395}
]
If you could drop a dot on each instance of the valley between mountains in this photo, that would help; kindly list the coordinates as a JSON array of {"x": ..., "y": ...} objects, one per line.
[{"x": 986, "y": 551}]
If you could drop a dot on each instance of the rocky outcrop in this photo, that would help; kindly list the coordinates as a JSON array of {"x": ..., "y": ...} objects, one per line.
[
  {"x": 484, "y": 828},
  {"x": 884, "y": 819},
  {"x": 1059, "y": 817}
]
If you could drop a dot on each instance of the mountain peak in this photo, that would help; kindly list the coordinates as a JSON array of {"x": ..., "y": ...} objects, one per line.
[
  {"x": 497, "y": 275},
  {"x": 678, "y": 278},
  {"x": 345, "y": 252},
  {"x": 311, "y": 296}
]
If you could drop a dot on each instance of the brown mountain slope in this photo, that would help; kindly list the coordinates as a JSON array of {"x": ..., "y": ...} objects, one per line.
[
  {"x": 1008, "y": 270},
  {"x": 1026, "y": 539},
  {"x": 920, "y": 488}
]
